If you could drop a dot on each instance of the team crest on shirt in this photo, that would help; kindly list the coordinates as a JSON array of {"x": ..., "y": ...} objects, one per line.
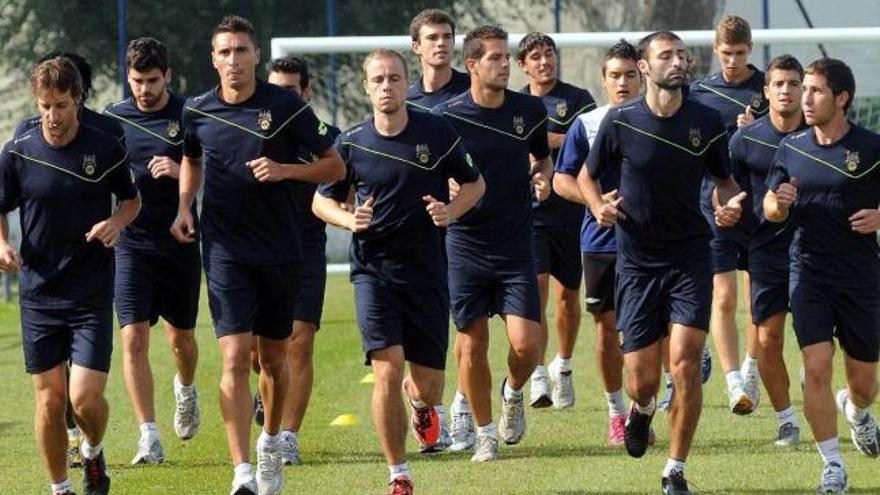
[
  {"x": 519, "y": 125},
  {"x": 322, "y": 128},
  {"x": 423, "y": 153},
  {"x": 852, "y": 160},
  {"x": 173, "y": 129},
  {"x": 264, "y": 119},
  {"x": 90, "y": 163},
  {"x": 561, "y": 108},
  {"x": 756, "y": 101},
  {"x": 694, "y": 137}
]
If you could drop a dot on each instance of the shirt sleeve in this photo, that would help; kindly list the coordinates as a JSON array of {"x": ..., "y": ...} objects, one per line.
[
  {"x": 778, "y": 173},
  {"x": 339, "y": 190},
  {"x": 738, "y": 165},
  {"x": 539, "y": 147},
  {"x": 121, "y": 178},
  {"x": 10, "y": 191},
  {"x": 458, "y": 163},
  {"x": 718, "y": 154},
  {"x": 603, "y": 155},
  {"x": 574, "y": 150},
  {"x": 192, "y": 147},
  {"x": 306, "y": 129}
]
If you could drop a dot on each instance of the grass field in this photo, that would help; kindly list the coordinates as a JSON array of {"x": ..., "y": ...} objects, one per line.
[{"x": 564, "y": 452}]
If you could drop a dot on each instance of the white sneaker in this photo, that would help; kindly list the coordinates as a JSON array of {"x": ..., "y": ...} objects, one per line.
[
  {"x": 539, "y": 390},
  {"x": 149, "y": 451},
  {"x": 512, "y": 426},
  {"x": 243, "y": 485},
  {"x": 865, "y": 435},
  {"x": 486, "y": 449},
  {"x": 270, "y": 472},
  {"x": 563, "y": 386},
  {"x": 290, "y": 449},
  {"x": 461, "y": 428},
  {"x": 752, "y": 389},
  {"x": 739, "y": 402},
  {"x": 187, "y": 417}
]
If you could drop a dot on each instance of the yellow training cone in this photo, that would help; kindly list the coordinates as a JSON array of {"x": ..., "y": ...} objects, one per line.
[
  {"x": 368, "y": 379},
  {"x": 345, "y": 420}
]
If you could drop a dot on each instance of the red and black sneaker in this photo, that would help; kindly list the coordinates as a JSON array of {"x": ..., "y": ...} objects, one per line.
[
  {"x": 401, "y": 485},
  {"x": 426, "y": 425},
  {"x": 96, "y": 481}
]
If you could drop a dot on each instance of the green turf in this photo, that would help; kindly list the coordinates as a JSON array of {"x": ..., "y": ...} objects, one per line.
[{"x": 564, "y": 452}]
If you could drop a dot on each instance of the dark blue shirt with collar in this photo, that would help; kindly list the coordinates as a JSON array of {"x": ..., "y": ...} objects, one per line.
[
  {"x": 243, "y": 219},
  {"x": 417, "y": 97},
  {"x": 63, "y": 191},
  {"x": 833, "y": 182},
  {"x": 499, "y": 140},
  {"x": 402, "y": 245},
  {"x": 148, "y": 135},
  {"x": 661, "y": 162},
  {"x": 312, "y": 229}
]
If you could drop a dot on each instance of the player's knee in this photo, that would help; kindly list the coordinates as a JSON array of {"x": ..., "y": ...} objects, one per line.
[
  {"x": 770, "y": 342},
  {"x": 84, "y": 398},
  {"x": 183, "y": 343},
  {"x": 724, "y": 301},
  {"x": 607, "y": 339},
  {"x": 471, "y": 347},
  {"x": 135, "y": 344},
  {"x": 817, "y": 373},
  {"x": 863, "y": 388},
  {"x": 686, "y": 372},
  {"x": 238, "y": 363},
  {"x": 51, "y": 402}
]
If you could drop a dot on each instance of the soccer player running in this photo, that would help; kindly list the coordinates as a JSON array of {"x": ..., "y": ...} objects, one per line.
[
  {"x": 292, "y": 74},
  {"x": 66, "y": 265},
  {"x": 555, "y": 222},
  {"x": 156, "y": 276},
  {"x": 622, "y": 81},
  {"x": 737, "y": 92},
  {"x": 826, "y": 180},
  {"x": 752, "y": 148},
  {"x": 245, "y": 135},
  {"x": 491, "y": 263},
  {"x": 398, "y": 164},
  {"x": 433, "y": 41},
  {"x": 661, "y": 145}
]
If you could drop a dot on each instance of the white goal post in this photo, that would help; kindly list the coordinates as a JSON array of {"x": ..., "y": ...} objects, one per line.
[{"x": 362, "y": 44}]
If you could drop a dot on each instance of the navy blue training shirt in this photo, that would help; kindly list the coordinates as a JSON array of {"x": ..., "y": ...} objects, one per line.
[
  {"x": 63, "y": 191},
  {"x": 417, "y": 97},
  {"x": 752, "y": 149},
  {"x": 833, "y": 183},
  {"x": 402, "y": 245},
  {"x": 563, "y": 105},
  {"x": 147, "y": 135},
  {"x": 312, "y": 229},
  {"x": 87, "y": 117},
  {"x": 499, "y": 140},
  {"x": 243, "y": 219},
  {"x": 595, "y": 239},
  {"x": 661, "y": 161}
]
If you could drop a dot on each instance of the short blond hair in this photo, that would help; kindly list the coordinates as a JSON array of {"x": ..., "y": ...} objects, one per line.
[{"x": 384, "y": 53}]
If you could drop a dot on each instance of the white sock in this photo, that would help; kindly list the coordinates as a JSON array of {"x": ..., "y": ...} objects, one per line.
[
  {"x": 267, "y": 439},
  {"x": 830, "y": 451},
  {"x": 186, "y": 389},
  {"x": 646, "y": 410},
  {"x": 510, "y": 393},
  {"x": 854, "y": 414},
  {"x": 73, "y": 432},
  {"x": 673, "y": 465},
  {"x": 787, "y": 415},
  {"x": 616, "y": 406},
  {"x": 149, "y": 430},
  {"x": 540, "y": 370},
  {"x": 733, "y": 378},
  {"x": 399, "y": 470},
  {"x": 667, "y": 377},
  {"x": 418, "y": 403},
  {"x": 287, "y": 434},
  {"x": 488, "y": 430},
  {"x": 243, "y": 470},
  {"x": 460, "y": 401},
  {"x": 749, "y": 365},
  {"x": 90, "y": 452},
  {"x": 564, "y": 363},
  {"x": 63, "y": 486}
]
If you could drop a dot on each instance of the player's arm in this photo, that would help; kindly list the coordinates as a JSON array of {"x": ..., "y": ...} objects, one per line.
[
  {"x": 9, "y": 259},
  {"x": 442, "y": 214},
  {"x": 10, "y": 196},
  {"x": 341, "y": 214},
  {"x": 781, "y": 190},
  {"x": 604, "y": 208},
  {"x": 542, "y": 176},
  {"x": 570, "y": 162},
  {"x": 107, "y": 231},
  {"x": 727, "y": 199},
  {"x": 328, "y": 168},
  {"x": 555, "y": 140},
  {"x": 567, "y": 186},
  {"x": 184, "y": 227}
]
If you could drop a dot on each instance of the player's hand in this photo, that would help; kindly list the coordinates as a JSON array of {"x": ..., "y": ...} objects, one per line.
[
  {"x": 728, "y": 214},
  {"x": 266, "y": 170},
  {"x": 745, "y": 118},
  {"x": 437, "y": 210},
  {"x": 865, "y": 221},
  {"x": 184, "y": 227},
  {"x": 610, "y": 212},
  {"x": 9, "y": 259},
  {"x": 162, "y": 166},
  {"x": 363, "y": 215},
  {"x": 106, "y": 232},
  {"x": 786, "y": 193},
  {"x": 454, "y": 187},
  {"x": 542, "y": 186}
]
